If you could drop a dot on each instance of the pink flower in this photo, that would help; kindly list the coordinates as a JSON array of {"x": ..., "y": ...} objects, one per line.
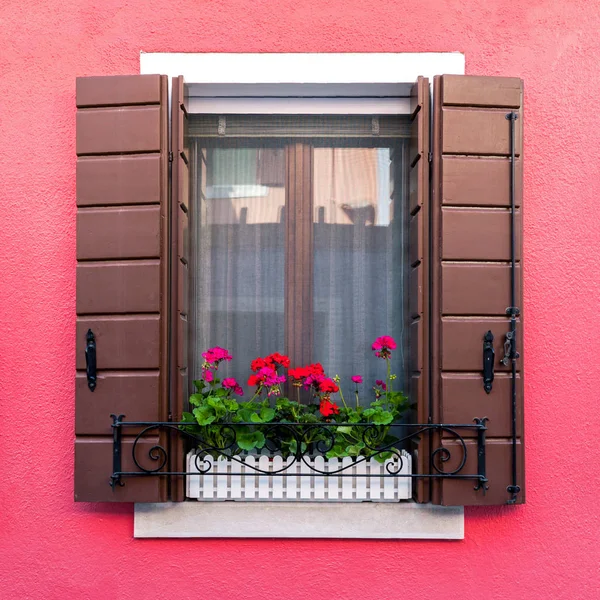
[
  {"x": 230, "y": 383},
  {"x": 216, "y": 355},
  {"x": 381, "y": 384},
  {"x": 315, "y": 380},
  {"x": 383, "y": 346},
  {"x": 357, "y": 379},
  {"x": 238, "y": 391},
  {"x": 207, "y": 375}
]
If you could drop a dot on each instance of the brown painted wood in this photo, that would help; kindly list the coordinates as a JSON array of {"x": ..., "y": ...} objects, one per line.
[
  {"x": 477, "y": 180},
  {"x": 117, "y": 130},
  {"x": 418, "y": 184},
  {"x": 498, "y": 460},
  {"x": 118, "y": 287},
  {"x": 180, "y": 257},
  {"x": 299, "y": 253},
  {"x": 122, "y": 341},
  {"x": 416, "y": 341},
  {"x": 475, "y": 288},
  {"x": 93, "y": 468},
  {"x": 119, "y": 233},
  {"x": 415, "y": 294},
  {"x": 476, "y": 131},
  {"x": 112, "y": 180},
  {"x": 473, "y": 90},
  {"x": 134, "y": 394},
  {"x": 183, "y": 238},
  {"x": 471, "y": 276},
  {"x": 477, "y": 234},
  {"x": 462, "y": 342},
  {"x": 122, "y": 275},
  {"x": 118, "y": 90},
  {"x": 463, "y": 396},
  {"x": 416, "y": 235}
]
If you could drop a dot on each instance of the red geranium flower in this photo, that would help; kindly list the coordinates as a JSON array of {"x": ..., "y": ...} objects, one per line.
[
  {"x": 279, "y": 360},
  {"x": 328, "y": 386},
  {"x": 328, "y": 408}
]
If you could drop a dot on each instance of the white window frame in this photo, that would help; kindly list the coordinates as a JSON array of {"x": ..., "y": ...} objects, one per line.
[{"x": 351, "y": 83}]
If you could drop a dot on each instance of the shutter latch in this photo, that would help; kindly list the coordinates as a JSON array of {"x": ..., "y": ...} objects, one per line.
[
  {"x": 488, "y": 361},
  {"x": 90, "y": 359}
]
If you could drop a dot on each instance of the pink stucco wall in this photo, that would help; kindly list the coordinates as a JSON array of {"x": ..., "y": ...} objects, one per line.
[{"x": 51, "y": 547}]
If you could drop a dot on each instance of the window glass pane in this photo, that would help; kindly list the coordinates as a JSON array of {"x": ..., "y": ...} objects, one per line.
[
  {"x": 238, "y": 247},
  {"x": 359, "y": 260}
]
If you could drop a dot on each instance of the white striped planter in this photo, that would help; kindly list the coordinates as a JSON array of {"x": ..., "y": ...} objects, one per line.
[{"x": 249, "y": 485}]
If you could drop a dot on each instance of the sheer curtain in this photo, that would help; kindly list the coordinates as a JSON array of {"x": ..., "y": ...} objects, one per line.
[
  {"x": 359, "y": 263},
  {"x": 238, "y": 254},
  {"x": 359, "y": 269}
]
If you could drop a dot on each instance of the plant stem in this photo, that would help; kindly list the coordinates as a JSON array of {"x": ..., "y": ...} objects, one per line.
[
  {"x": 388, "y": 381},
  {"x": 342, "y": 396}
]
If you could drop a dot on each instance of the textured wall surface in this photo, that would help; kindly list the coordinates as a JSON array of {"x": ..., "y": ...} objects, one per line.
[{"x": 52, "y": 548}]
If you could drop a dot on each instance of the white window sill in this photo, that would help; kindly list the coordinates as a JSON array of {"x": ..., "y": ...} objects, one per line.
[{"x": 365, "y": 520}]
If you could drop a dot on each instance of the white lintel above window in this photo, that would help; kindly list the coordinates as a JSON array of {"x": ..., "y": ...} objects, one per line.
[{"x": 290, "y": 83}]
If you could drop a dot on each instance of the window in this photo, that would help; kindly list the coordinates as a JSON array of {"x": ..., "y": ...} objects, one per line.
[
  {"x": 134, "y": 258},
  {"x": 299, "y": 239}
]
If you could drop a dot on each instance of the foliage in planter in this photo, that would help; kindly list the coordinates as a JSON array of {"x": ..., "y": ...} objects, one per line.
[{"x": 226, "y": 424}]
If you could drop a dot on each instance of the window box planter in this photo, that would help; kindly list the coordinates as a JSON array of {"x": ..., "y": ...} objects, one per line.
[{"x": 238, "y": 478}]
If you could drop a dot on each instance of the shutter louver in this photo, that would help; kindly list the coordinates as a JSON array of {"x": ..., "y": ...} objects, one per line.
[
  {"x": 471, "y": 277},
  {"x": 122, "y": 276},
  {"x": 179, "y": 274},
  {"x": 418, "y": 177}
]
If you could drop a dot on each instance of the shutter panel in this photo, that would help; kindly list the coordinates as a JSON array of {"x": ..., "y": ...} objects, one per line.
[
  {"x": 471, "y": 277},
  {"x": 122, "y": 249},
  {"x": 179, "y": 273},
  {"x": 418, "y": 178}
]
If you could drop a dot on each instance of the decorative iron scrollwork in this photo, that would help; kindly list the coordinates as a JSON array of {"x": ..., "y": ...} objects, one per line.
[{"x": 309, "y": 440}]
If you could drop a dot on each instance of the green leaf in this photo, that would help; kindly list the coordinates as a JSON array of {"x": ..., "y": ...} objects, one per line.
[
  {"x": 199, "y": 384},
  {"x": 255, "y": 418},
  {"x": 267, "y": 414},
  {"x": 251, "y": 440},
  {"x": 383, "y": 417},
  {"x": 196, "y": 399},
  {"x": 344, "y": 429},
  {"x": 204, "y": 415}
]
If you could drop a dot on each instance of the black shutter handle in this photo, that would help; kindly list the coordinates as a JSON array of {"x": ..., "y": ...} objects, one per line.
[
  {"x": 488, "y": 361},
  {"x": 90, "y": 359}
]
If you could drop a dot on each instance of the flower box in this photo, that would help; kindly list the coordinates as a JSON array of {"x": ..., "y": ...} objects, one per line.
[{"x": 237, "y": 479}]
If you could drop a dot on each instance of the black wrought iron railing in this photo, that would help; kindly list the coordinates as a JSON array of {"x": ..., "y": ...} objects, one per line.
[{"x": 448, "y": 460}]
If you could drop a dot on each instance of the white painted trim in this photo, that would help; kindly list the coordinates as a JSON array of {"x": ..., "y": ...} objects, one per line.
[
  {"x": 303, "y": 68},
  {"x": 295, "y": 83},
  {"x": 366, "y": 520}
]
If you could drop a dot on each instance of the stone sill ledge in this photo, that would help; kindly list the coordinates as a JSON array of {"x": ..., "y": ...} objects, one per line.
[{"x": 361, "y": 520}]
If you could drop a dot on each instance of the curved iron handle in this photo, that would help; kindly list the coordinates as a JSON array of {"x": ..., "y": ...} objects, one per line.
[
  {"x": 90, "y": 359},
  {"x": 488, "y": 361}
]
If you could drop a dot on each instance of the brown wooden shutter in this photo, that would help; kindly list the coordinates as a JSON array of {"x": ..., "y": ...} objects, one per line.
[
  {"x": 179, "y": 273},
  {"x": 122, "y": 277},
  {"x": 471, "y": 277},
  {"x": 418, "y": 178}
]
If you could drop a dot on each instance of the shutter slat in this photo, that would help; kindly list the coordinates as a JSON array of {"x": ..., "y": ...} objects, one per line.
[
  {"x": 128, "y": 179},
  {"x": 117, "y": 233},
  {"x": 118, "y": 287},
  {"x": 471, "y": 278},
  {"x": 133, "y": 394},
  {"x": 122, "y": 253},
  {"x": 119, "y": 130}
]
